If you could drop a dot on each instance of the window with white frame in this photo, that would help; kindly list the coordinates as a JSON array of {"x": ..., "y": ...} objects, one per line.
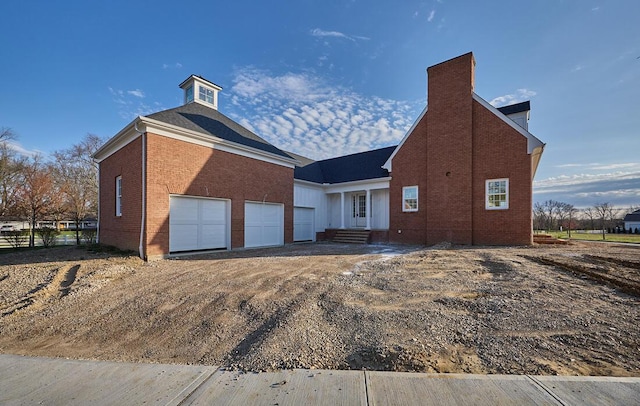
[
  {"x": 497, "y": 194},
  {"x": 119, "y": 196},
  {"x": 189, "y": 94},
  {"x": 206, "y": 95},
  {"x": 410, "y": 198}
]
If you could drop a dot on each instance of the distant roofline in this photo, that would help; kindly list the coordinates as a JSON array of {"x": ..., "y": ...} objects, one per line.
[
  {"x": 515, "y": 108},
  {"x": 200, "y": 78}
]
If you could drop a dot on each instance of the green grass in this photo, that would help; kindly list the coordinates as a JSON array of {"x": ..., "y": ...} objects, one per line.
[{"x": 630, "y": 238}]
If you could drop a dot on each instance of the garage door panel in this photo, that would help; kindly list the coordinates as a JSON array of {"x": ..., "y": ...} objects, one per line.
[
  {"x": 264, "y": 224},
  {"x": 197, "y": 223},
  {"x": 303, "y": 228}
]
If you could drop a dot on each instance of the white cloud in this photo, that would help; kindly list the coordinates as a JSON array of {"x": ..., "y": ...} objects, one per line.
[
  {"x": 176, "y": 65},
  {"x": 432, "y": 14},
  {"x": 130, "y": 104},
  {"x": 16, "y": 146},
  {"x": 619, "y": 187},
  {"x": 317, "y": 32},
  {"x": 137, "y": 93},
  {"x": 300, "y": 113},
  {"x": 518, "y": 96}
]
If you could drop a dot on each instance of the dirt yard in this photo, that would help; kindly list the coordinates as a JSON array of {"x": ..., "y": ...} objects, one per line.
[{"x": 570, "y": 310}]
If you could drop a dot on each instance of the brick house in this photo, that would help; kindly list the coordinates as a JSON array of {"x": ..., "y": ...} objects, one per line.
[{"x": 191, "y": 179}]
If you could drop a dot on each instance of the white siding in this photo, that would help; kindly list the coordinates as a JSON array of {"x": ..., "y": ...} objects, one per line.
[
  {"x": 334, "y": 210},
  {"x": 380, "y": 209},
  {"x": 632, "y": 224}
]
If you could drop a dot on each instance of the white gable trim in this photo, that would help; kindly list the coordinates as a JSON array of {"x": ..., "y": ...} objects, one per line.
[
  {"x": 387, "y": 165},
  {"x": 145, "y": 124},
  {"x": 532, "y": 142}
]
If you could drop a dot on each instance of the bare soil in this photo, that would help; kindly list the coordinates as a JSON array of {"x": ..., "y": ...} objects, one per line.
[{"x": 569, "y": 310}]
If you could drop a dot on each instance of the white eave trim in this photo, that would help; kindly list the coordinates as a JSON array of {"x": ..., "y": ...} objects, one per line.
[
  {"x": 387, "y": 165},
  {"x": 356, "y": 185},
  {"x": 149, "y": 125},
  {"x": 532, "y": 142}
]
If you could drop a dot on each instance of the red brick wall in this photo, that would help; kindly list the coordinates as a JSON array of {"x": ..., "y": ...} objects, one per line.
[
  {"x": 500, "y": 152},
  {"x": 121, "y": 231},
  {"x": 409, "y": 168},
  {"x": 450, "y": 154},
  {"x": 177, "y": 167}
]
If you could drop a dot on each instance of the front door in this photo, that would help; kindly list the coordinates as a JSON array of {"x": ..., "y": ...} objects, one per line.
[{"x": 359, "y": 210}]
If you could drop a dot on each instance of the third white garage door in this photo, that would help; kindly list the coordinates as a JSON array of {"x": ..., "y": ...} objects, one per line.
[
  {"x": 303, "y": 229},
  {"x": 263, "y": 224},
  {"x": 198, "y": 224}
]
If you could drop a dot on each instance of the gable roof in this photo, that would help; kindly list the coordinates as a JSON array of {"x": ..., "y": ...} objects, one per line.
[
  {"x": 203, "y": 119},
  {"x": 348, "y": 168},
  {"x": 634, "y": 216}
]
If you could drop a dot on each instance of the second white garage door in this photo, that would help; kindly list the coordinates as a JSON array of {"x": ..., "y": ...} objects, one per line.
[
  {"x": 263, "y": 224},
  {"x": 198, "y": 224}
]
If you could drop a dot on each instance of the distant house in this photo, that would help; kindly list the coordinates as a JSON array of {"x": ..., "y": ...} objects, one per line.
[
  {"x": 632, "y": 221},
  {"x": 191, "y": 179}
]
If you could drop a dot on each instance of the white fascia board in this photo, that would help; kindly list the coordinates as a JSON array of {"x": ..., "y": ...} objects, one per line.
[
  {"x": 532, "y": 142},
  {"x": 358, "y": 185},
  {"x": 387, "y": 165},
  {"x": 308, "y": 184},
  {"x": 118, "y": 141}
]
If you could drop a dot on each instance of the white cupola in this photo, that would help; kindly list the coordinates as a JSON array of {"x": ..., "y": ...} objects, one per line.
[{"x": 199, "y": 90}]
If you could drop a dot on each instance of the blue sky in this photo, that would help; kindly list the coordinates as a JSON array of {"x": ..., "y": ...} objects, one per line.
[{"x": 327, "y": 78}]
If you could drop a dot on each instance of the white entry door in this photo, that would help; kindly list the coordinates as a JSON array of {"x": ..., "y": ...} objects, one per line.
[
  {"x": 359, "y": 210},
  {"x": 263, "y": 224},
  {"x": 197, "y": 224}
]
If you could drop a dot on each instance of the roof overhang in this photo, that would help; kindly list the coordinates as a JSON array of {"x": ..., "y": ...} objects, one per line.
[
  {"x": 147, "y": 125},
  {"x": 356, "y": 185}
]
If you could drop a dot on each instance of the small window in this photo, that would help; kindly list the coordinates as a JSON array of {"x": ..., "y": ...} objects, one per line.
[
  {"x": 497, "y": 192},
  {"x": 119, "y": 196},
  {"x": 189, "y": 95},
  {"x": 410, "y": 198},
  {"x": 206, "y": 95}
]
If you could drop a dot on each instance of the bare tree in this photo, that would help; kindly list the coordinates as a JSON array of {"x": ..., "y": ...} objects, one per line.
[
  {"x": 592, "y": 215},
  {"x": 607, "y": 214},
  {"x": 78, "y": 180},
  {"x": 37, "y": 195},
  {"x": 10, "y": 171},
  {"x": 539, "y": 216}
]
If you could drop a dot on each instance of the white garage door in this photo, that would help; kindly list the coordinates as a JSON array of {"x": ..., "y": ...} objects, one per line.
[
  {"x": 197, "y": 224},
  {"x": 303, "y": 229},
  {"x": 263, "y": 224}
]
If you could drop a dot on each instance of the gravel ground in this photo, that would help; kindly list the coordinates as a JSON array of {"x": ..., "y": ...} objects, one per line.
[{"x": 533, "y": 310}]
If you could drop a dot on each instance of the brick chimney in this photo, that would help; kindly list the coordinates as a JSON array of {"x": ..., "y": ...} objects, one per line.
[{"x": 449, "y": 150}]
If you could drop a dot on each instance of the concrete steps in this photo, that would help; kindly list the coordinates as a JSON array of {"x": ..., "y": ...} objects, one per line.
[{"x": 352, "y": 236}]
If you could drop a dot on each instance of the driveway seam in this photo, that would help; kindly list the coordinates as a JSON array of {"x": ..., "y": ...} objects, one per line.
[
  {"x": 192, "y": 388},
  {"x": 547, "y": 390}
]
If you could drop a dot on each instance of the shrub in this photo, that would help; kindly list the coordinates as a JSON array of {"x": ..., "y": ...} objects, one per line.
[
  {"x": 16, "y": 238},
  {"x": 89, "y": 235},
  {"x": 48, "y": 235},
  {"x": 637, "y": 231}
]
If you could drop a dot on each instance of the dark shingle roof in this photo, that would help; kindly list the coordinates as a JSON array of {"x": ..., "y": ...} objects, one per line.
[
  {"x": 635, "y": 216},
  {"x": 348, "y": 168},
  {"x": 196, "y": 117},
  {"x": 515, "y": 108}
]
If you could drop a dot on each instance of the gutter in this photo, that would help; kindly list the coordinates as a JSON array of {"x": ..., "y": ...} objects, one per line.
[{"x": 143, "y": 210}]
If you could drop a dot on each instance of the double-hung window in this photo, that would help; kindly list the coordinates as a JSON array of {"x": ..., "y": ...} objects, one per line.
[
  {"x": 410, "y": 198},
  {"x": 497, "y": 194},
  {"x": 119, "y": 196},
  {"x": 206, "y": 95}
]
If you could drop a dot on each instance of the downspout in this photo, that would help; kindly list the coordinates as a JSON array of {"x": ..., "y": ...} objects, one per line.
[
  {"x": 98, "y": 222},
  {"x": 143, "y": 210}
]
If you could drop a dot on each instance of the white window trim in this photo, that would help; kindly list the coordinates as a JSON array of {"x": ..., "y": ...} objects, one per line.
[
  {"x": 486, "y": 194},
  {"x": 404, "y": 209},
  {"x": 119, "y": 196}
]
